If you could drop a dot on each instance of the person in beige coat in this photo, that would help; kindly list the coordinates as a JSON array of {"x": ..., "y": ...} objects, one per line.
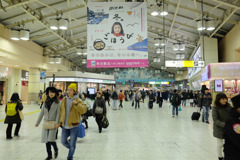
[
  {"x": 50, "y": 111},
  {"x": 71, "y": 109}
]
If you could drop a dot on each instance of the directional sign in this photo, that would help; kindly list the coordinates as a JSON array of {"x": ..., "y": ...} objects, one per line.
[
  {"x": 199, "y": 64},
  {"x": 184, "y": 64}
]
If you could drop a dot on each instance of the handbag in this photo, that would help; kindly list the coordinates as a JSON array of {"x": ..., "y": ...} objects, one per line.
[
  {"x": 21, "y": 115},
  {"x": 132, "y": 103},
  {"x": 81, "y": 130},
  {"x": 105, "y": 122},
  {"x": 98, "y": 110},
  {"x": 49, "y": 125}
]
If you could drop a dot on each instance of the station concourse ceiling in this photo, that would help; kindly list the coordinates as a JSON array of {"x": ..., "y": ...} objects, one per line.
[{"x": 180, "y": 25}]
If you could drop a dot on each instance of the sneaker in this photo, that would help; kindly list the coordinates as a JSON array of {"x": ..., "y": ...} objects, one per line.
[
  {"x": 173, "y": 116},
  {"x": 8, "y": 139},
  {"x": 207, "y": 122},
  {"x": 56, "y": 154},
  {"x": 17, "y": 135}
]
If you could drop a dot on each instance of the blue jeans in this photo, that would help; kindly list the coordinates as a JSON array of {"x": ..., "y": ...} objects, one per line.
[
  {"x": 114, "y": 104},
  {"x": 184, "y": 103},
  {"x": 137, "y": 103},
  {"x": 73, "y": 139},
  {"x": 173, "y": 110},
  {"x": 205, "y": 113}
]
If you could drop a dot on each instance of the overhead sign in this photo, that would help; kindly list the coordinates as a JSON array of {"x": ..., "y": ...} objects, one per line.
[
  {"x": 184, "y": 64},
  {"x": 154, "y": 82}
]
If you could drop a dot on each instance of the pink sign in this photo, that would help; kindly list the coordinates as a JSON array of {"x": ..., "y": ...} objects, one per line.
[{"x": 117, "y": 63}]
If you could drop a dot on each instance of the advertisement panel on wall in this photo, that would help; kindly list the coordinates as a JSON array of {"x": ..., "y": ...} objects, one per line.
[
  {"x": 117, "y": 35},
  {"x": 197, "y": 57},
  {"x": 218, "y": 85}
]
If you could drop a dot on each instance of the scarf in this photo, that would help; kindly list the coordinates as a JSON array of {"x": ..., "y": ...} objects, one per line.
[
  {"x": 118, "y": 35},
  {"x": 49, "y": 102}
]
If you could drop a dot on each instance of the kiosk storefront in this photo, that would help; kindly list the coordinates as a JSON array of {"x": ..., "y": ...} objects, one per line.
[{"x": 222, "y": 77}]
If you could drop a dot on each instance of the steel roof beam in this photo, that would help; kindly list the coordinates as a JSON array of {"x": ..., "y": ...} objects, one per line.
[
  {"x": 230, "y": 3},
  {"x": 228, "y": 15},
  {"x": 44, "y": 16},
  {"x": 199, "y": 11},
  {"x": 79, "y": 19},
  {"x": 49, "y": 34},
  {"x": 14, "y": 5},
  {"x": 174, "y": 18},
  {"x": 33, "y": 13}
]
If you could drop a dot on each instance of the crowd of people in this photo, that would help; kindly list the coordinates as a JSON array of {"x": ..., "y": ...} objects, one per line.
[{"x": 67, "y": 111}]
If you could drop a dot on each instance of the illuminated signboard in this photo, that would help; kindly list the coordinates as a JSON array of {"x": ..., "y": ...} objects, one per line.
[{"x": 184, "y": 63}]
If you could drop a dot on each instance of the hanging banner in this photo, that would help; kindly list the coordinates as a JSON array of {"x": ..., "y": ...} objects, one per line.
[{"x": 117, "y": 35}]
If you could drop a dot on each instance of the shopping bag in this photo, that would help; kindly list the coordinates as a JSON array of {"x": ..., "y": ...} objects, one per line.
[
  {"x": 81, "y": 130},
  {"x": 180, "y": 108},
  {"x": 105, "y": 122}
]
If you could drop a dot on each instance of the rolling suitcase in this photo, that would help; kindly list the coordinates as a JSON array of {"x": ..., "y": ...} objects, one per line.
[{"x": 196, "y": 115}]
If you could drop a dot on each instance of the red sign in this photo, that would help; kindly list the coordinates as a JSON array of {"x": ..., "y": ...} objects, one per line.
[{"x": 24, "y": 83}]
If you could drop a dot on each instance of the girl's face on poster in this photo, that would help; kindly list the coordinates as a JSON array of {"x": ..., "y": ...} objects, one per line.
[{"x": 117, "y": 29}]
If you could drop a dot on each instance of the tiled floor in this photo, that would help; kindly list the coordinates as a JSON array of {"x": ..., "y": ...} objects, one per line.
[{"x": 132, "y": 135}]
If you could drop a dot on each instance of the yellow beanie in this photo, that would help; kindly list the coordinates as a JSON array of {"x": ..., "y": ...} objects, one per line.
[{"x": 73, "y": 86}]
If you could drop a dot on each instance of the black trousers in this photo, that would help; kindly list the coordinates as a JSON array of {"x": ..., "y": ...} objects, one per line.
[
  {"x": 99, "y": 118},
  {"x": 48, "y": 147},
  {"x": 9, "y": 130},
  {"x": 137, "y": 104},
  {"x": 120, "y": 105},
  {"x": 143, "y": 99},
  {"x": 108, "y": 100},
  {"x": 160, "y": 101}
]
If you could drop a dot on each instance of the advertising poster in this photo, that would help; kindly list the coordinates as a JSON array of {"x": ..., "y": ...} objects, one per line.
[
  {"x": 43, "y": 77},
  {"x": 197, "y": 57},
  {"x": 117, "y": 35},
  {"x": 219, "y": 85}
]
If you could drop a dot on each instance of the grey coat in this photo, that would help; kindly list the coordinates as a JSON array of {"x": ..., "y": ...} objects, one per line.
[
  {"x": 51, "y": 115},
  {"x": 219, "y": 115}
]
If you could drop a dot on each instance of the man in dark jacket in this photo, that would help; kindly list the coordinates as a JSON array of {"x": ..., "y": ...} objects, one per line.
[
  {"x": 175, "y": 101},
  {"x": 184, "y": 98},
  {"x": 205, "y": 103},
  {"x": 232, "y": 132},
  {"x": 160, "y": 98},
  {"x": 106, "y": 96},
  {"x": 115, "y": 98},
  {"x": 143, "y": 93},
  {"x": 151, "y": 99}
]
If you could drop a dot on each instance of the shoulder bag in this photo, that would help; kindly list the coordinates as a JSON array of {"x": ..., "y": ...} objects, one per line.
[
  {"x": 98, "y": 110},
  {"x": 49, "y": 125}
]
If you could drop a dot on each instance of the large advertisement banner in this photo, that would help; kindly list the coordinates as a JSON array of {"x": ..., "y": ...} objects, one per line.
[{"x": 117, "y": 34}]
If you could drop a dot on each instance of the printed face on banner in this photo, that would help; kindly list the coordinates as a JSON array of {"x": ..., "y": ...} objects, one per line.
[{"x": 117, "y": 35}]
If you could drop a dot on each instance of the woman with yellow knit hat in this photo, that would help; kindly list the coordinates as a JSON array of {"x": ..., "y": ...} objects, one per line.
[{"x": 71, "y": 105}]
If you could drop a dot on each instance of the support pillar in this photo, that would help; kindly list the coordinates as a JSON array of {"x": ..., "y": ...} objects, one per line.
[{"x": 33, "y": 85}]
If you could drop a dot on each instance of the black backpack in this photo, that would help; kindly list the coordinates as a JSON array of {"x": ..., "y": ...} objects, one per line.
[{"x": 175, "y": 100}]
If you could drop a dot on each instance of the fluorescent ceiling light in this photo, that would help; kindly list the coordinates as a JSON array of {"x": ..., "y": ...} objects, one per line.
[
  {"x": 54, "y": 24},
  {"x": 201, "y": 25},
  {"x": 164, "y": 10},
  {"x": 24, "y": 34},
  {"x": 15, "y": 35},
  {"x": 210, "y": 25},
  {"x": 157, "y": 42},
  {"x": 154, "y": 10},
  {"x": 63, "y": 24},
  {"x": 182, "y": 47}
]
